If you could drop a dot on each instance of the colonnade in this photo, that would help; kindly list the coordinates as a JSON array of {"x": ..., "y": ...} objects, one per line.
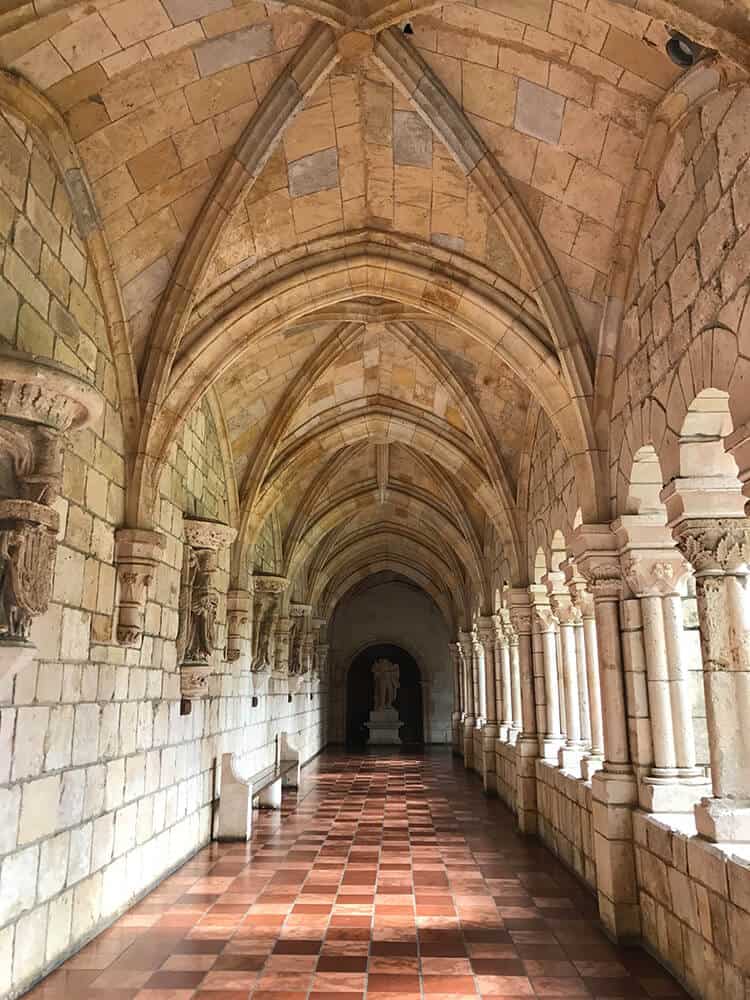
[{"x": 586, "y": 671}]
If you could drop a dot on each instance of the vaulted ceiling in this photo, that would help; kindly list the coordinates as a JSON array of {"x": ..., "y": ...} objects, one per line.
[{"x": 383, "y": 253}]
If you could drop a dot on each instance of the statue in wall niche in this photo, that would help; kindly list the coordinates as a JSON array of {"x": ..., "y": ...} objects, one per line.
[
  {"x": 198, "y": 607},
  {"x": 262, "y": 659},
  {"x": 27, "y": 559},
  {"x": 386, "y": 677}
]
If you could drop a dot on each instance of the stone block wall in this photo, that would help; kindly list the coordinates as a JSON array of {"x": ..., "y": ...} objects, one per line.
[
  {"x": 505, "y": 773},
  {"x": 695, "y": 906},
  {"x": 565, "y": 821},
  {"x": 104, "y": 786}
]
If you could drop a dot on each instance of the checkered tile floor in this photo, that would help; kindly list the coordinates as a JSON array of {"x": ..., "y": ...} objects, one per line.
[{"x": 391, "y": 876}]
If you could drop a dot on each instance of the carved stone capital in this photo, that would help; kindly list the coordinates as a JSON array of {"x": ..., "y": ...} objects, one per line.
[
  {"x": 137, "y": 553},
  {"x": 654, "y": 574},
  {"x": 566, "y": 611},
  {"x": 596, "y": 552},
  {"x": 715, "y": 545},
  {"x": 267, "y": 583},
  {"x": 42, "y": 392},
  {"x": 489, "y": 631},
  {"x": 545, "y": 618},
  {"x": 203, "y": 533},
  {"x": 239, "y": 611}
]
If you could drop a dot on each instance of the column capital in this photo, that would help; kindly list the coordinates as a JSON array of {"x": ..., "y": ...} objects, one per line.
[
  {"x": 654, "y": 572},
  {"x": 488, "y": 630},
  {"x": 597, "y": 556},
  {"x": 715, "y": 546},
  {"x": 546, "y": 618},
  {"x": 520, "y": 610}
]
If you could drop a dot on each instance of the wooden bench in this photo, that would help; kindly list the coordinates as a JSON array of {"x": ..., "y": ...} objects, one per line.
[{"x": 239, "y": 792}]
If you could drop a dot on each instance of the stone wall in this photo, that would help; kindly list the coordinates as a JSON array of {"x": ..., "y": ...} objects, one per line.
[
  {"x": 104, "y": 786},
  {"x": 396, "y": 613},
  {"x": 695, "y": 905},
  {"x": 565, "y": 819}
]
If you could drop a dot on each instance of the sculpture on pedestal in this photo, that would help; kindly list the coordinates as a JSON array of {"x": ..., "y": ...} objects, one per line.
[
  {"x": 384, "y": 723},
  {"x": 386, "y": 677}
]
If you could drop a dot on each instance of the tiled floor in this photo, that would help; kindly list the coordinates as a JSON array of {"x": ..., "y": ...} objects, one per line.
[{"x": 393, "y": 877}]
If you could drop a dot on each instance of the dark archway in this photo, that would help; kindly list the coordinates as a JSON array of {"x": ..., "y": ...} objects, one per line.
[{"x": 359, "y": 694}]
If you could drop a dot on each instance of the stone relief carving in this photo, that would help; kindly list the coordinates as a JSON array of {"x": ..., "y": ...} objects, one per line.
[
  {"x": 199, "y": 602},
  {"x": 40, "y": 402},
  {"x": 137, "y": 553}
]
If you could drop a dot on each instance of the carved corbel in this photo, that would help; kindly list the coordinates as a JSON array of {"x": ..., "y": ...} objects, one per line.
[
  {"x": 239, "y": 616},
  {"x": 137, "y": 553},
  {"x": 40, "y": 402},
  {"x": 199, "y": 599}
]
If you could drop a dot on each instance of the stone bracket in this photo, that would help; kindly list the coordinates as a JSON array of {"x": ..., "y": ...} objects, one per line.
[{"x": 137, "y": 553}]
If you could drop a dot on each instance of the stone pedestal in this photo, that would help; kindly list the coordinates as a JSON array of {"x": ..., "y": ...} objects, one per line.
[{"x": 384, "y": 726}]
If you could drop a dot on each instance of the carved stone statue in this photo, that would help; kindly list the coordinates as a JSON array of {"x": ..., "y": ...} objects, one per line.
[
  {"x": 40, "y": 402},
  {"x": 386, "y": 676},
  {"x": 199, "y": 602}
]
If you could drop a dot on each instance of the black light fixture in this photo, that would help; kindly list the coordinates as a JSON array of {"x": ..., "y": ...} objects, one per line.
[
  {"x": 407, "y": 28},
  {"x": 683, "y": 51}
]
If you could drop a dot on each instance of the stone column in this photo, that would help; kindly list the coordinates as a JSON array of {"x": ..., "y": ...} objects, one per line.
[
  {"x": 455, "y": 654},
  {"x": 527, "y": 746},
  {"x": 593, "y": 759},
  {"x": 653, "y": 574},
  {"x": 516, "y": 713},
  {"x": 479, "y": 699},
  {"x": 506, "y": 719},
  {"x": 467, "y": 653},
  {"x": 568, "y": 617},
  {"x": 487, "y": 629},
  {"x": 719, "y": 550},
  {"x": 614, "y": 787},
  {"x": 553, "y": 737}
]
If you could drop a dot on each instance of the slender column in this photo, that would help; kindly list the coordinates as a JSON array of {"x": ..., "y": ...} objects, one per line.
[
  {"x": 467, "y": 655},
  {"x": 570, "y": 755},
  {"x": 682, "y": 715},
  {"x": 583, "y": 693},
  {"x": 614, "y": 787},
  {"x": 527, "y": 746},
  {"x": 515, "y": 684},
  {"x": 455, "y": 653},
  {"x": 477, "y": 674},
  {"x": 487, "y": 628},
  {"x": 553, "y": 737},
  {"x": 594, "y": 758},
  {"x": 719, "y": 550},
  {"x": 653, "y": 574},
  {"x": 507, "y": 697}
]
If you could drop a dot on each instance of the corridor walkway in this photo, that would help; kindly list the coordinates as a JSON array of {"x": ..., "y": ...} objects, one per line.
[{"x": 393, "y": 877}]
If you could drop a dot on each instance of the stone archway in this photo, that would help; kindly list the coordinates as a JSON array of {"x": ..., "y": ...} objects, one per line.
[{"x": 359, "y": 693}]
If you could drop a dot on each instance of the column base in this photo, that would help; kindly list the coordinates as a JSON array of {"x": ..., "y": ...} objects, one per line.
[
  {"x": 615, "y": 795},
  {"x": 514, "y": 735},
  {"x": 551, "y": 747},
  {"x": 590, "y": 765},
  {"x": 569, "y": 760},
  {"x": 724, "y": 820},
  {"x": 456, "y": 732},
  {"x": 504, "y": 733},
  {"x": 673, "y": 796}
]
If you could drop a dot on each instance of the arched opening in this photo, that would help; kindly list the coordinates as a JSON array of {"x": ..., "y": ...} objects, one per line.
[{"x": 360, "y": 689}]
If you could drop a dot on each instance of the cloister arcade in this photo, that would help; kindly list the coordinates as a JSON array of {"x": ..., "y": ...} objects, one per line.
[{"x": 333, "y": 326}]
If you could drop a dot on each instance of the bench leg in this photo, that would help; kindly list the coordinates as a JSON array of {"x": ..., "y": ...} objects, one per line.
[
  {"x": 235, "y": 815},
  {"x": 270, "y": 797}
]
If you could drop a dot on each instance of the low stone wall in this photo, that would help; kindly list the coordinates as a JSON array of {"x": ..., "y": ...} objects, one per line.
[
  {"x": 695, "y": 905},
  {"x": 505, "y": 773},
  {"x": 565, "y": 819}
]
